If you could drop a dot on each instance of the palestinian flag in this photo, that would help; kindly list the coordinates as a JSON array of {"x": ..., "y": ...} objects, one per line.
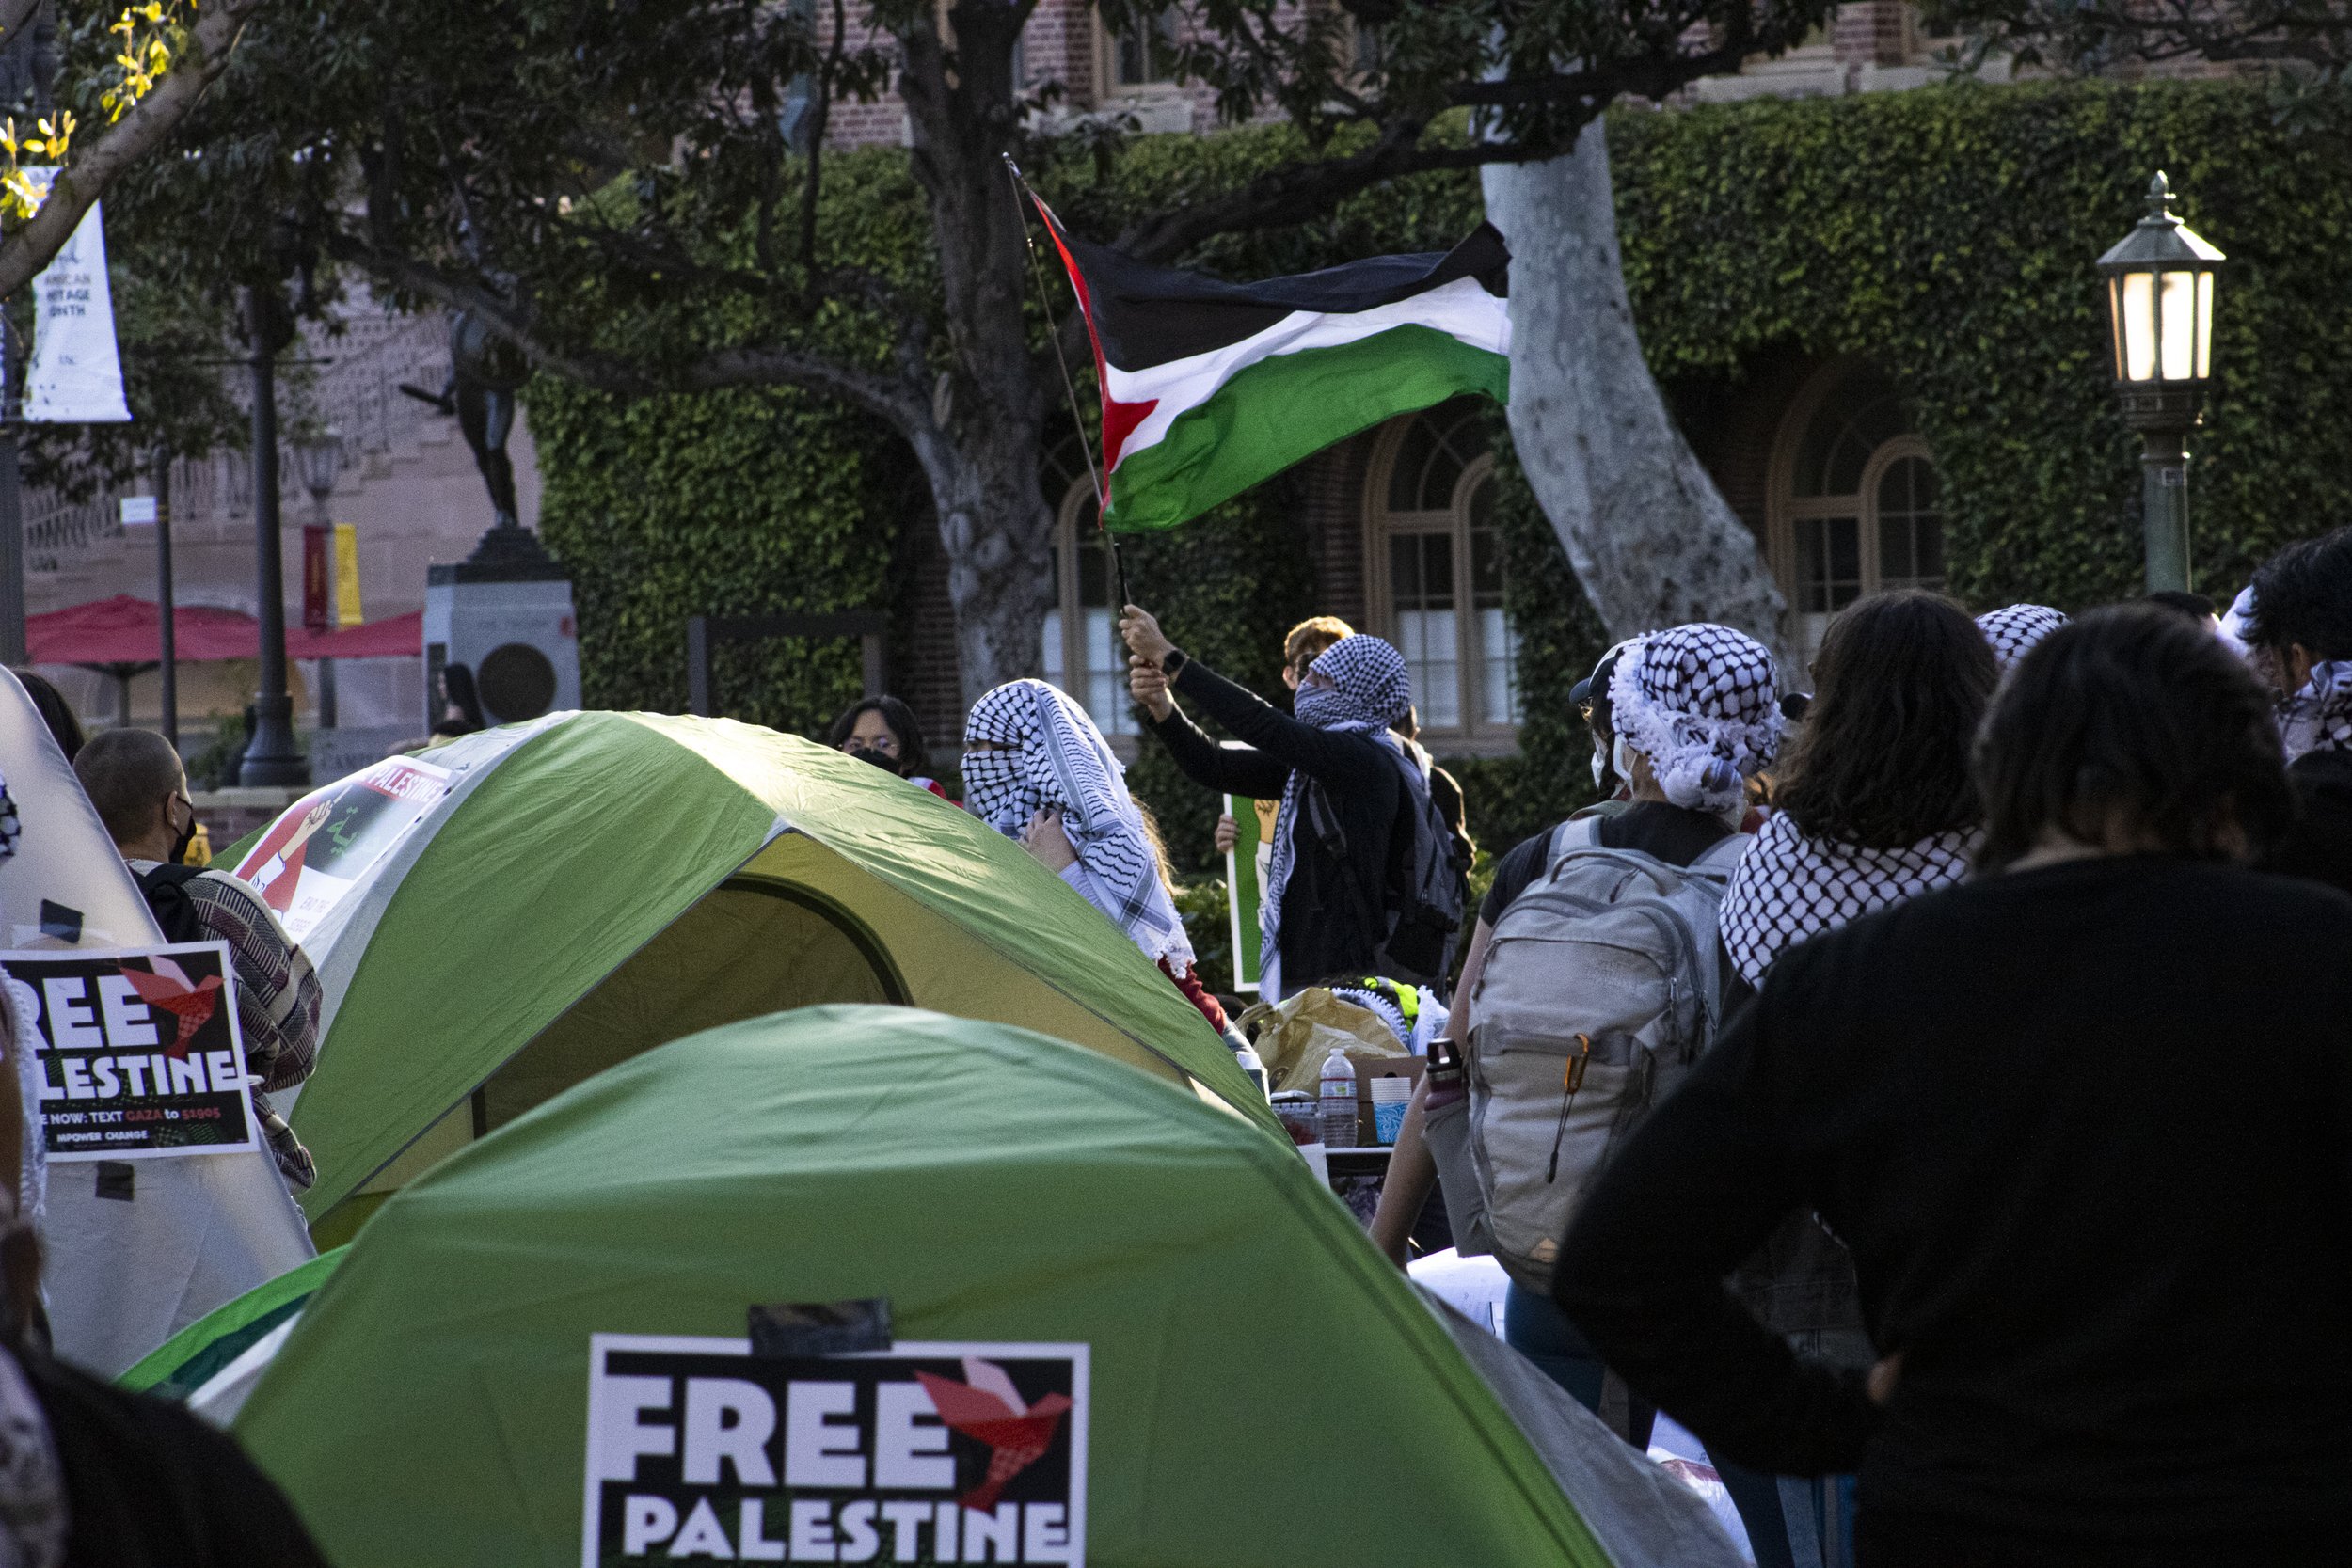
[{"x": 1210, "y": 386}]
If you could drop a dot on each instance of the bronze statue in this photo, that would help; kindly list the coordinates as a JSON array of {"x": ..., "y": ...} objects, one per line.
[{"x": 485, "y": 373}]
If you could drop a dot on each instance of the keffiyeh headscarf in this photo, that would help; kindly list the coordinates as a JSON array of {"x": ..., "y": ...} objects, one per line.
[
  {"x": 1789, "y": 887},
  {"x": 1702, "y": 702},
  {"x": 1370, "y": 691},
  {"x": 2318, "y": 718},
  {"x": 1062, "y": 761},
  {"x": 2014, "y": 629}
]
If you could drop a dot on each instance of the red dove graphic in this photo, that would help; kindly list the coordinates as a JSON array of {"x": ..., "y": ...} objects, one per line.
[
  {"x": 168, "y": 989},
  {"x": 989, "y": 1408}
]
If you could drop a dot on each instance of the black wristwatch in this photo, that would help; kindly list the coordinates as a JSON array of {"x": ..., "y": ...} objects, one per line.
[{"x": 1172, "y": 661}]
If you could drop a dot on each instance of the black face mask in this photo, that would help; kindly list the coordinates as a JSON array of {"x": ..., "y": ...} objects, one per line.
[
  {"x": 883, "y": 760},
  {"x": 179, "y": 846}
]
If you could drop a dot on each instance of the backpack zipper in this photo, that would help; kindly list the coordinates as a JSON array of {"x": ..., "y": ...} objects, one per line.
[{"x": 1571, "y": 1080}]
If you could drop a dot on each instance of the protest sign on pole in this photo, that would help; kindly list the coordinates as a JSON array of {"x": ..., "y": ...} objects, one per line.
[
  {"x": 76, "y": 373},
  {"x": 322, "y": 846},
  {"x": 140, "y": 1055},
  {"x": 1245, "y": 865}
]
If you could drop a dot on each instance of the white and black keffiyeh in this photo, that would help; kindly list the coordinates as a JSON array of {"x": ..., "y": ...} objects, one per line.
[
  {"x": 2318, "y": 718},
  {"x": 1061, "y": 760},
  {"x": 1789, "y": 887},
  {"x": 1370, "y": 689},
  {"x": 1702, "y": 702},
  {"x": 2015, "y": 628}
]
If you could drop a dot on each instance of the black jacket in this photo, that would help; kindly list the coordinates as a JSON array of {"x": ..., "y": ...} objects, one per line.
[
  {"x": 2320, "y": 847},
  {"x": 2087, "y": 1130},
  {"x": 1323, "y": 933},
  {"x": 148, "y": 1485}
]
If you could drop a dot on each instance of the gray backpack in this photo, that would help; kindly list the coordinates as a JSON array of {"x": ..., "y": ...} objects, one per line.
[{"x": 1601, "y": 988}]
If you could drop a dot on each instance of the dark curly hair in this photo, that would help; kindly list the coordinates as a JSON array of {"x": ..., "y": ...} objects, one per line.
[
  {"x": 1882, "y": 761},
  {"x": 2303, "y": 594},
  {"x": 2131, "y": 728}
]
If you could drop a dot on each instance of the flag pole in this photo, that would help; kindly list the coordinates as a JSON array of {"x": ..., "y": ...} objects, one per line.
[{"x": 1069, "y": 387}]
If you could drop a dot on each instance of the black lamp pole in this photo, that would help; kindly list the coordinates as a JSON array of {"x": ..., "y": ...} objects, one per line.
[{"x": 272, "y": 756}]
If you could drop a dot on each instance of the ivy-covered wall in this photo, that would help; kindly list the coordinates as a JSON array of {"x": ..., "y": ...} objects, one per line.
[
  {"x": 1949, "y": 233},
  {"x": 1946, "y": 233}
]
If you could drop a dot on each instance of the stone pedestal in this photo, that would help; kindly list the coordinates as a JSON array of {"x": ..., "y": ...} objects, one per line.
[{"x": 505, "y": 613}]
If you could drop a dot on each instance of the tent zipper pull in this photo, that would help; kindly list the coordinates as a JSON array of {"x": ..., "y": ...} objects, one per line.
[{"x": 1571, "y": 1080}]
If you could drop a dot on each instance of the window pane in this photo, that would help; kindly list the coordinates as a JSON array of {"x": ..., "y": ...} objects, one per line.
[
  {"x": 1428, "y": 626},
  {"x": 1430, "y": 639},
  {"x": 1829, "y": 564},
  {"x": 1911, "y": 529},
  {"x": 1053, "y": 650},
  {"x": 1436, "y": 447},
  {"x": 1860, "y": 415},
  {"x": 1498, "y": 669},
  {"x": 1105, "y": 694}
]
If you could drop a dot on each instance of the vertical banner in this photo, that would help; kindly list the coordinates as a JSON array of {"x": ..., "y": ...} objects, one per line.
[
  {"x": 347, "y": 575},
  {"x": 316, "y": 581},
  {"x": 1245, "y": 865},
  {"x": 76, "y": 372},
  {"x": 140, "y": 1055}
]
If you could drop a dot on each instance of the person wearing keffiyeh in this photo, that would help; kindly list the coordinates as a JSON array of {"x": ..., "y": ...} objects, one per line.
[
  {"x": 1037, "y": 769},
  {"x": 1875, "y": 805},
  {"x": 1335, "y": 742},
  {"x": 2297, "y": 628},
  {"x": 2014, "y": 629}
]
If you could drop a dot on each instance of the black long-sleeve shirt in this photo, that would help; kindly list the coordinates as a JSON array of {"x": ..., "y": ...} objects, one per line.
[
  {"x": 2087, "y": 1130},
  {"x": 2320, "y": 844},
  {"x": 1321, "y": 932}
]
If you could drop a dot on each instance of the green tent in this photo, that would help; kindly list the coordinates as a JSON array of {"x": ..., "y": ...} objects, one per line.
[
  {"x": 503, "y": 917},
  {"x": 546, "y": 1337}
]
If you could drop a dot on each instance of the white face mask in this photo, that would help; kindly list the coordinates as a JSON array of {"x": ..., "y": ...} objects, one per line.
[
  {"x": 1619, "y": 760},
  {"x": 1600, "y": 765}
]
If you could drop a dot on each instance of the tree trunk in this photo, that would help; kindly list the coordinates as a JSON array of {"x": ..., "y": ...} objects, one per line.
[
  {"x": 985, "y": 458},
  {"x": 999, "y": 538},
  {"x": 1652, "y": 541}
]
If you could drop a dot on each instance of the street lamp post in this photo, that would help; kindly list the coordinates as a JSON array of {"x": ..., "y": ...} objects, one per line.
[
  {"x": 321, "y": 459},
  {"x": 272, "y": 756},
  {"x": 2160, "y": 291}
]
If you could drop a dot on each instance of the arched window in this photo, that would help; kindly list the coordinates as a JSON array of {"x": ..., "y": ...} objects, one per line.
[
  {"x": 1436, "y": 568},
  {"x": 1856, "y": 506},
  {"x": 1083, "y": 654}
]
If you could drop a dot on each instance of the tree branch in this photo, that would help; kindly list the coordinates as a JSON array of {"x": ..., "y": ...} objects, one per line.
[
  {"x": 14, "y": 14},
  {"x": 1299, "y": 191},
  {"x": 143, "y": 130},
  {"x": 906, "y": 408}
]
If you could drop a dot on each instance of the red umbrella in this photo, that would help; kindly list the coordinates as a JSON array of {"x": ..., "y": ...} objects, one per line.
[
  {"x": 124, "y": 637},
  {"x": 127, "y": 631},
  {"x": 111, "y": 633}
]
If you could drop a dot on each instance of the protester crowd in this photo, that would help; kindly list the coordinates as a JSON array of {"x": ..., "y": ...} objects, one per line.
[
  {"x": 1934, "y": 1090},
  {"x": 1987, "y": 1140}
]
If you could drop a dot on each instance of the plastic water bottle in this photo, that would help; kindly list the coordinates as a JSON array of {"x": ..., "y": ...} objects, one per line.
[
  {"x": 1248, "y": 1059},
  {"x": 1336, "y": 1099}
]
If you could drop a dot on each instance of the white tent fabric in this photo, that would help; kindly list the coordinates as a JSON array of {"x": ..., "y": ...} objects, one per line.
[
  {"x": 1642, "y": 1515},
  {"x": 125, "y": 1276}
]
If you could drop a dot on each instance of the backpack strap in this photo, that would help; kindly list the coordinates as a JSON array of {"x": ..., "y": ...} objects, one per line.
[
  {"x": 166, "y": 889},
  {"x": 1577, "y": 832},
  {"x": 1722, "y": 856}
]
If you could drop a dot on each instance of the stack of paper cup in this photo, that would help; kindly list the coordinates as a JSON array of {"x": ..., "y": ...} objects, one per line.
[{"x": 1390, "y": 1094}]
